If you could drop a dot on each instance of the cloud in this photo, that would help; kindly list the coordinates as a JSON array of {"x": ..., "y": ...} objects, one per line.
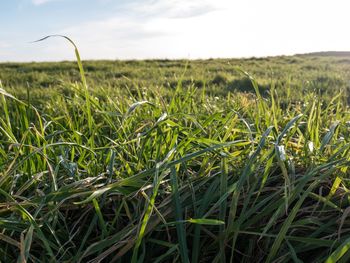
[
  {"x": 198, "y": 29},
  {"x": 4, "y": 44},
  {"x": 148, "y": 29},
  {"x": 174, "y": 8},
  {"x": 4, "y": 48},
  {"x": 41, "y": 2}
]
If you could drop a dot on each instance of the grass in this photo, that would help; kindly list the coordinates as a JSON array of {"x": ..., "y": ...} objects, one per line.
[{"x": 119, "y": 172}]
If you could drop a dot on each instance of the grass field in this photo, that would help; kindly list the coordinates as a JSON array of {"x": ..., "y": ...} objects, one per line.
[{"x": 176, "y": 161}]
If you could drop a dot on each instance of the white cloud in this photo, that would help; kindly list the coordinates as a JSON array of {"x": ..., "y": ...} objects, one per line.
[
  {"x": 41, "y": 2},
  {"x": 205, "y": 28},
  {"x": 174, "y": 8},
  {"x": 150, "y": 29},
  {"x": 4, "y": 44},
  {"x": 4, "y": 48}
]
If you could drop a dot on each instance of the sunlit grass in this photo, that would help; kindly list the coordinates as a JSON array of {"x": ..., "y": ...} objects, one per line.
[{"x": 152, "y": 175}]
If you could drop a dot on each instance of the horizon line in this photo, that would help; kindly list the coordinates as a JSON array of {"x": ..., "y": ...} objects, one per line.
[{"x": 315, "y": 53}]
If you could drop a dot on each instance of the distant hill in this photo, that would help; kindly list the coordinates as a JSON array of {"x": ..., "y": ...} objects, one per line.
[{"x": 327, "y": 54}]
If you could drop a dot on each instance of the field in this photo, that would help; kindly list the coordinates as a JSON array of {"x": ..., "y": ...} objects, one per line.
[{"x": 220, "y": 160}]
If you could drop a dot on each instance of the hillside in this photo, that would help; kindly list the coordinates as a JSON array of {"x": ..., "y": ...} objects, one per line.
[
  {"x": 300, "y": 74},
  {"x": 328, "y": 54}
]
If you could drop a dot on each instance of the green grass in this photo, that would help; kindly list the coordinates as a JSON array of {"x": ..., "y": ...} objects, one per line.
[{"x": 135, "y": 170}]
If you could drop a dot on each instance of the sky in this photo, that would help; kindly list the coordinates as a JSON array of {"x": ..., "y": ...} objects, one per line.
[{"x": 190, "y": 29}]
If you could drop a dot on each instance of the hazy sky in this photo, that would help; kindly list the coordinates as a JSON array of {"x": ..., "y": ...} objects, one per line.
[{"x": 121, "y": 29}]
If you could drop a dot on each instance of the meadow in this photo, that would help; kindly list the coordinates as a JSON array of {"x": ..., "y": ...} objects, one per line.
[{"x": 219, "y": 160}]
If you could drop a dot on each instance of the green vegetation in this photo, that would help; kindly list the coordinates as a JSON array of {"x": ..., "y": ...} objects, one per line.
[
  {"x": 300, "y": 75},
  {"x": 169, "y": 161}
]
